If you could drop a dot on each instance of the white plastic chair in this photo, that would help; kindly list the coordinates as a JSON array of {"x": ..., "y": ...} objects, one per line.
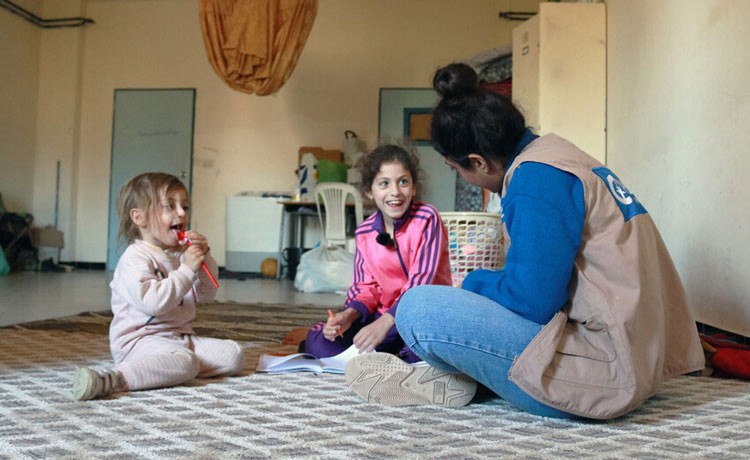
[{"x": 334, "y": 196}]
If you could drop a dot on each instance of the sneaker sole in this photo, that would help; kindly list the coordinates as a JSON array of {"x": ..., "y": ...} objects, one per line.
[
  {"x": 385, "y": 379},
  {"x": 82, "y": 385}
]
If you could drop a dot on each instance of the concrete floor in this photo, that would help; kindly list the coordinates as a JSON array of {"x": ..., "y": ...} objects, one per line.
[{"x": 33, "y": 296}]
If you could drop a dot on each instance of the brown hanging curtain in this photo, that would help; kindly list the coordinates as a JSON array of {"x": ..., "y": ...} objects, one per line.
[{"x": 254, "y": 44}]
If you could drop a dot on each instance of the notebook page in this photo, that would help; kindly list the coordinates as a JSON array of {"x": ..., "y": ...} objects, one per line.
[
  {"x": 288, "y": 363},
  {"x": 338, "y": 363}
]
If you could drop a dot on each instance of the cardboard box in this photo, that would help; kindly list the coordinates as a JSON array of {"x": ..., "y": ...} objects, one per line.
[
  {"x": 321, "y": 154},
  {"x": 48, "y": 236}
]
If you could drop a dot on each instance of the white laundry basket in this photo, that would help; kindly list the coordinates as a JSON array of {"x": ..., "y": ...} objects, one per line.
[{"x": 475, "y": 240}]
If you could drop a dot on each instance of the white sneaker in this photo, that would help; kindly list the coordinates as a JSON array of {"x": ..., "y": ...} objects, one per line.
[
  {"x": 385, "y": 379},
  {"x": 89, "y": 384}
]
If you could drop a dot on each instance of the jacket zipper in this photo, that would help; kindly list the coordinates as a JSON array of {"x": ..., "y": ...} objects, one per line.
[{"x": 403, "y": 266}]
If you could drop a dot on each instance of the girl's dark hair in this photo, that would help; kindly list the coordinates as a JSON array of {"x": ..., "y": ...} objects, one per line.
[
  {"x": 387, "y": 153},
  {"x": 469, "y": 119}
]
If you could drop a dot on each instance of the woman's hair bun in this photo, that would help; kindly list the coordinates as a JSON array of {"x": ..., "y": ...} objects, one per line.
[{"x": 455, "y": 80}]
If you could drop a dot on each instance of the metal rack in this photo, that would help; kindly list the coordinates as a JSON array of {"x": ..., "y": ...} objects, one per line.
[{"x": 44, "y": 23}]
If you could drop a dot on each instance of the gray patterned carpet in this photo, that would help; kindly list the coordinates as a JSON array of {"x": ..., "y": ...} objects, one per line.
[{"x": 304, "y": 416}]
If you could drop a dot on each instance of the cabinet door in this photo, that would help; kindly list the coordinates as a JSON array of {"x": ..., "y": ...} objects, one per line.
[
  {"x": 526, "y": 70},
  {"x": 559, "y": 73},
  {"x": 572, "y": 74}
]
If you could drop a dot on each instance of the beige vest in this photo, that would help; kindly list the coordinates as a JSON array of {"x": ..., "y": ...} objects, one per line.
[{"x": 626, "y": 327}]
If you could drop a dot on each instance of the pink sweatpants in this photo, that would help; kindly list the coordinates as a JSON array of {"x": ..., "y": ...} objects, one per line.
[{"x": 171, "y": 359}]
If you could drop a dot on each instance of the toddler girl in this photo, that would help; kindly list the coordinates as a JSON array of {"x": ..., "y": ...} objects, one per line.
[
  {"x": 404, "y": 244},
  {"x": 155, "y": 287}
]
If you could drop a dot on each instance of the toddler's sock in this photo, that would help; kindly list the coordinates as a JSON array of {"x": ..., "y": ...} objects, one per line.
[{"x": 90, "y": 384}]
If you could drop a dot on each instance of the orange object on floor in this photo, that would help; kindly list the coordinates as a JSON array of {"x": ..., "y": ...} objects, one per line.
[{"x": 295, "y": 336}]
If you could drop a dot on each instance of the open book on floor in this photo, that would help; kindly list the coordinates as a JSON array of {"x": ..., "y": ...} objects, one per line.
[
  {"x": 306, "y": 362},
  {"x": 298, "y": 362}
]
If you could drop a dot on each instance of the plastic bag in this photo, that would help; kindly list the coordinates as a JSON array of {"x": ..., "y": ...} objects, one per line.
[
  {"x": 325, "y": 269},
  {"x": 4, "y": 267}
]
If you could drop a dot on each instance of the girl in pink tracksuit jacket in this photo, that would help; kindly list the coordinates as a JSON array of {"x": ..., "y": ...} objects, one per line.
[{"x": 404, "y": 244}]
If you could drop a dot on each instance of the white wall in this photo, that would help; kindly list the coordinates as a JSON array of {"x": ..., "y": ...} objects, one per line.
[
  {"x": 58, "y": 121},
  {"x": 242, "y": 142},
  {"x": 678, "y": 136},
  {"x": 19, "y": 77}
]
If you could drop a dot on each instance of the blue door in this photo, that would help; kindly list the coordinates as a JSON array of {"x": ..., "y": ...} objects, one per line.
[{"x": 152, "y": 131}]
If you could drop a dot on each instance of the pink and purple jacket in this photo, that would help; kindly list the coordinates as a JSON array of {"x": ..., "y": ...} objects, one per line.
[{"x": 383, "y": 273}]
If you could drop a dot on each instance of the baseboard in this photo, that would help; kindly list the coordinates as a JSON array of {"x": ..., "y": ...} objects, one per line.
[
  {"x": 235, "y": 275},
  {"x": 711, "y": 330},
  {"x": 86, "y": 265},
  {"x": 247, "y": 261}
]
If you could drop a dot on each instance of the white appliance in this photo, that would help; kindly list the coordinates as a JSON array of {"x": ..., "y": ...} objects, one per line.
[{"x": 253, "y": 231}]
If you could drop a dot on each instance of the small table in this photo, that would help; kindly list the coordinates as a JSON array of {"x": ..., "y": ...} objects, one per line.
[{"x": 299, "y": 209}]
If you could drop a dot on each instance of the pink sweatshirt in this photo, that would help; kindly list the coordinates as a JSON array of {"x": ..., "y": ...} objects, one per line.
[
  {"x": 153, "y": 292},
  {"x": 383, "y": 273}
]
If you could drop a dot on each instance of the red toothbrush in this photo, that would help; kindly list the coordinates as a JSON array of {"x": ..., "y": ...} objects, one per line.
[{"x": 181, "y": 236}]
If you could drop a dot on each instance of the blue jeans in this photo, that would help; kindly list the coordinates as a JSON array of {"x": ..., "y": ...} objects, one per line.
[{"x": 463, "y": 332}]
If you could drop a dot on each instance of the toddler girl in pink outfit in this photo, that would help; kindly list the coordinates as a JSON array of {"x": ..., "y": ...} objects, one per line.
[{"x": 155, "y": 287}]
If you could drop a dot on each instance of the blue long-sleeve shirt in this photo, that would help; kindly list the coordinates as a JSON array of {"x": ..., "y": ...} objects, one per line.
[{"x": 543, "y": 210}]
